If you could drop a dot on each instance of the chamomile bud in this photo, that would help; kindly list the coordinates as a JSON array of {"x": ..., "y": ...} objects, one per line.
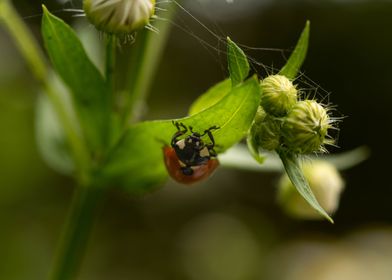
[
  {"x": 267, "y": 133},
  {"x": 305, "y": 128},
  {"x": 119, "y": 16},
  {"x": 326, "y": 184},
  {"x": 278, "y": 95}
]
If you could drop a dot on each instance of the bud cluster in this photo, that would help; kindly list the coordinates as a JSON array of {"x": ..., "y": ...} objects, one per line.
[{"x": 285, "y": 122}]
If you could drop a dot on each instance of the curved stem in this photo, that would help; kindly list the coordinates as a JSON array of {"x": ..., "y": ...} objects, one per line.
[
  {"x": 76, "y": 232},
  {"x": 23, "y": 39}
]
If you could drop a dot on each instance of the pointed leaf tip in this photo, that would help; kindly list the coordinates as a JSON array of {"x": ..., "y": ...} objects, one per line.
[
  {"x": 44, "y": 9},
  {"x": 297, "y": 58},
  {"x": 237, "y": 63},
  {"x": 294, "y": 172}
]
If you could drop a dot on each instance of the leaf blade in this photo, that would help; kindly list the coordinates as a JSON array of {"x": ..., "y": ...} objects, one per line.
[
  {"x": 138, "y": 157},
  {"x": 211, "y": 97},
  {"x": 88, "y": 87},
  {"x": 294, "y": 172},
  {"x": 237, "y": 62},
  {"x": 297, "y": 58}
]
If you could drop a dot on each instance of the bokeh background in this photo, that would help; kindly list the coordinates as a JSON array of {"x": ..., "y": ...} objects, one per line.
[{"x": 229, "y": 227}]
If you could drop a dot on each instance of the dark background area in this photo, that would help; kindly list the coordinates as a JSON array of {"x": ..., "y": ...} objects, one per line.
[{"x": 232, "y": 218}]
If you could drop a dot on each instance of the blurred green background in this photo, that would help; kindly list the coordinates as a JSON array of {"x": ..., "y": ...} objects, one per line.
[{"x": 229, "y": 227}]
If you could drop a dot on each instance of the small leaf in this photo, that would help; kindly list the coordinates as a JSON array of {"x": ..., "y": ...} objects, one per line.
[
  {"x": 137, "y": 161},
  {"x": 297, "y": 58},
  {"x": 237, "y": 62},
  {"x": 294, "y": 172},
  {"x": 88, "y": 87},
  {"x": 211, "y": 97}
]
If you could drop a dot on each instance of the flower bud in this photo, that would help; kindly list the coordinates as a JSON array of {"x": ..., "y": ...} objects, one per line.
[
  {"x": 267, "y": 133},
  {"x": 260, "y": 115},
  {"x": 305, "y": 128},
  {"x": 326, "y": 184},
  {"x": 278, "y": 95},
  {"x": 119, "y": 16}
]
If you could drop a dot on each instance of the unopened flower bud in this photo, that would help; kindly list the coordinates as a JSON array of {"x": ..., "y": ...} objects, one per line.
[
  {"x": 119, "y": 16},
  {"x": 267, "y": 133},
  {"x": 260, "y": 115},
  {"x": 278, "y": 95},
  {"x": 326, "y": 184},
  {"x": 305, "y": 128}
]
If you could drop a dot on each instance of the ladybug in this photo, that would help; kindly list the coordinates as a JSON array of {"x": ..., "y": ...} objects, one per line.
[{"x": 190, "y": 159}]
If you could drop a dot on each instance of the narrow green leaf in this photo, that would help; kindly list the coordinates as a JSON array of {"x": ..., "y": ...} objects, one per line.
[
  {"x": 137, "y": 161},
  {"x": 211, "y": 97},
  {"x": 88, "y": 87},
  {"x": 237, "y": 62},
  {"x": 297, "y": 58},
  {"x": 294, "y": 172}
]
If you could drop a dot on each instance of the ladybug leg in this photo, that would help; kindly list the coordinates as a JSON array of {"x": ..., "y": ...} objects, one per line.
[
  {"x": 178, "y": 125},
  {"x": 178, "y": 133},
  {"x": 212, "y": 152},
  {"x": 208, "y": 132}
]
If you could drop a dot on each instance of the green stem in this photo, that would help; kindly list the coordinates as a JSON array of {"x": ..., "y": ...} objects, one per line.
[
  {"x": 76, "y": 232},
  {"x": 111, "y": 45},
  {"x": 23, "y": 39},
  {"x": 35, "y": 59},
  {"x": 143, "y": 64}
]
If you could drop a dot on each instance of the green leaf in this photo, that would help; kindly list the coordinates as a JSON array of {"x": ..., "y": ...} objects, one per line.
[
  {"x": 297, "y": 58},
  {"x": 211, "y": 97},
  {"x": 137, "y": 161},
  {"x": 237, "y": 62},
  {"x": 294, "y": 172},
  {"x": 88, "y": 87}
]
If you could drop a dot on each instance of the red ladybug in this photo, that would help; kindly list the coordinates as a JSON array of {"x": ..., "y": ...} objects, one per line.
[{"x": 190, "y": 160}]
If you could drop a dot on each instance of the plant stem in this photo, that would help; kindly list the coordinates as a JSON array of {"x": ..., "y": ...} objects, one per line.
[
  {"x": 76, "y": 232},
  {"x": 24, "y": 39},
  {"x": 143, "y": 64},
  {"x": 111, "y": 45},
  {"x": 35, "y": 59}
]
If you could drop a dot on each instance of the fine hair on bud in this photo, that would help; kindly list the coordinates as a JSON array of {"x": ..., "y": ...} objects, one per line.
[
  {"x": 305, "y": 129},
  {"x": 278, "y": 95}
]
